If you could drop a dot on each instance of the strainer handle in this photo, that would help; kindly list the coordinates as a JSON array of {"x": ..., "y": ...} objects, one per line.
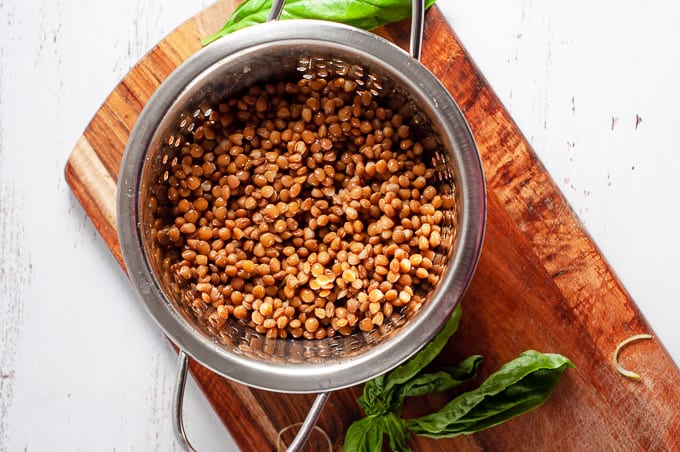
[
  {"x": 178, "y": 403},
  {"x": 276, "y": 10},
  {"x": 417, "y": 22}
]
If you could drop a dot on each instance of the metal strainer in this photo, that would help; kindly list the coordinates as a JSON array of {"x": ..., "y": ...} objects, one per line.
[{"x": 266, "y": 52}]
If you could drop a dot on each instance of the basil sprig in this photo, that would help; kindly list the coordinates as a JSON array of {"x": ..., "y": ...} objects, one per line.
[
  {"x": 366, "y": 14},
  {"x": 516, "y": 388}
]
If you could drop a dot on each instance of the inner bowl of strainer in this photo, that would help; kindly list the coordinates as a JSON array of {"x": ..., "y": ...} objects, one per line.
[{"x": 284, "y": 53}]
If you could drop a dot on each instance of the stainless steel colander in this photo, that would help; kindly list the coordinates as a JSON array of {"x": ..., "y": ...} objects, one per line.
[{"x": 266, "y": 52}]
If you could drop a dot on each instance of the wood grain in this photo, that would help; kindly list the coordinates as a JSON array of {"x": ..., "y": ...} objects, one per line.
[{"x": 541, "y": 282}]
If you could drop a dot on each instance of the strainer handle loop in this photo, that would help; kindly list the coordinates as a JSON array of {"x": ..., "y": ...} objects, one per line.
[
  {"x": 310, "y": 421},
  {"x": 417, "y": 25},
  {"x": 417, "y": 22},
  {"x": 276, "y": 10},
  {"x": 178, "y": 403}
]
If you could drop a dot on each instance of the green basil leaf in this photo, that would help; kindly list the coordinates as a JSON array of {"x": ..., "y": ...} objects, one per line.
[
  {"x": 366, "y": 14},
  {"x": 365, "y": 435},
  {"x": 436, "y": 381},
  {"x": 408, "y": 370},
  {"x": 373, "y": 399},
  {"x": 442, "y": 380},
  {"x": 516, "y": 388},
  {"x": 379, "y": 393},
  {"x": 396, "y": 432}
]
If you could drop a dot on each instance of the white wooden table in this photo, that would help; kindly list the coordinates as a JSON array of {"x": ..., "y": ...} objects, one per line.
[{"x": 595, "y": 86}]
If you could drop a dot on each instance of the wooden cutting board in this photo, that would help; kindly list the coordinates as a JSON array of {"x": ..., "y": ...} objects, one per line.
[{"x": 541, "y": 282}]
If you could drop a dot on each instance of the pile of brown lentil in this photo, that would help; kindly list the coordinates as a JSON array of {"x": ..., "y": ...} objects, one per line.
[{"x": 302, "y": 208}]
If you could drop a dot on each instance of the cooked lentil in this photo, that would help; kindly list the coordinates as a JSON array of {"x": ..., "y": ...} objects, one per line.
[{"x": 305, "y": 209}]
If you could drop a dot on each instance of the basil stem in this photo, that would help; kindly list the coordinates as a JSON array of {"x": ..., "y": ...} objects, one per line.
[{"x": 366, "y": 14}]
